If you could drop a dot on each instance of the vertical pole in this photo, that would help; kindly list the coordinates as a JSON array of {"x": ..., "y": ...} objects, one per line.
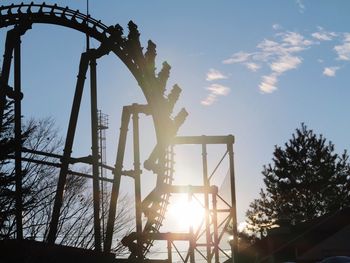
[
  {"x": 84, "y": 63},
  {"x": 170, "y": 256},
  {"x": 117, "y": 177},
  {"x": 87, "y": 35},
  {"x": 206, "y": 201},
  {"x": 137, "y": 175},
  {"x": 234, "y": 244},
  {"x": 5, "y": 71},
  {"x": 102, "y": 156},
  {"x": 94, "y": 148},
  {"x": 192, "y": 240},
  {"x": 215, "y": 226},
  {"x": 18, "y": 139}
]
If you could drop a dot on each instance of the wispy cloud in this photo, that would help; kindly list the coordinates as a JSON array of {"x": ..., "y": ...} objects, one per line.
[
  {"x": 280, "y": 53},
  {"x": 343, "y": 50},
  {"x": 330, "y": 71},
  {"x": 214, "y": 74},
  {"x": 300, "y": 5},
  {"x": 252, "y": 66},
  {"x": 215, "y": 90},
  {"x": 284, "y": 51},
  {"x": 285, "y": 43},
  {"x": 285, "y": 63},
  {"x": 237, "y": 58},
  {"x": 281, "y": 56},
  {"x": 323, "y": 35},
  {"x": 268, "y": 83},
  {"x": 295, "y": 39},
  {"x": 276, "y": 26}
]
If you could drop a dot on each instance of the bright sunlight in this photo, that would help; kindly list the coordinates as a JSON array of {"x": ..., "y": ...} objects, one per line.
[{"x": 186, "y": 213}]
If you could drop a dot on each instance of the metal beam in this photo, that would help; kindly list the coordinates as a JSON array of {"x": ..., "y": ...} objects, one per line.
[
  {"x": 137, "y": 177},
  {"x": 12, "y": 38},
  {"x": 229, "y": 139},
  {"x": 18, "y": 138},
  {"x": 185, "y": 189},
  {"x": 192, "y": 240},
  {"x": 234, "y": 244},
  {"x": 215, "y": 228},
  {"x": 5, "y": 71},
  {"x": 72, "y": 160},
  {"x": 94, "y": 152},
  {"x": 117, "y": 176},
  {"x": 206, "y": 201},
  {"x": 84, "y": 63},
  {"x": 168, "y": 236},
  {"x": 31, "y": 160}
]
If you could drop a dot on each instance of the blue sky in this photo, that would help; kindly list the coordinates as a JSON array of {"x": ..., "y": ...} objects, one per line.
[{"x": 255, "y": 69}]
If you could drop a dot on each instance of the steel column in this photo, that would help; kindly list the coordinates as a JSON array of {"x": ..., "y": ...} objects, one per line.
[
  {"x": 5, "y": 72},
  {"x": 192, "y": 237},
  {"x": 117, "y": 176},
  {"x": 18, "y": 138},
  {"x": 84, "y": 63},
  {"x": 206, "y": 201},
  {"x": 95, "y": 158},
  {"x": 234, "y": 244},
  {"x": 215, "y": 227},
  {"x": 137, "y": 175},
  {"x": 170, "y": 254}
]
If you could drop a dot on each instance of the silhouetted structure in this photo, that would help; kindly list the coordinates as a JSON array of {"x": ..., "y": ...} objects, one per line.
[
  {"x": 159, "y": 106},
  {"x": 307, "y": 242}
]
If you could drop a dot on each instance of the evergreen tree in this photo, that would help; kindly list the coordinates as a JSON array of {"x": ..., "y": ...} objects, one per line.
[
  {"x": 259, "y": 217},
  {"x": 307, "y": 179}
]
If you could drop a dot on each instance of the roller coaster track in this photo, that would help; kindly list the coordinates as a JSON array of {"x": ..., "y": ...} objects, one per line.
[
  {"x": 141, "y": 65},
  {"x": 155, "y": 212},
  {"x": 53, "y": 14}
]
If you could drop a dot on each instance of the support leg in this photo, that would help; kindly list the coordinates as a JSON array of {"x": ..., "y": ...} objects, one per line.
[
  {"x": 94, "y": 149},
  {"x": 192, "y": 237},
  {"x": 137, "y": 171},
  {"x": 5, "y": 71},
  {"x": 215, "y": 227},
  {"x": 206, "y": 202},
  {"x": 234, "y": 244},
  {"x": 84, "y": 62},
  {"x": 170, "y": 254},
  {"x": 18, "y": 139},
  {"x": 117, "y": 177}
]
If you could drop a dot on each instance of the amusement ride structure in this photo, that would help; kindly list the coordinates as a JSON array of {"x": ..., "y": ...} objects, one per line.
[{"x": 206, "y": 242}]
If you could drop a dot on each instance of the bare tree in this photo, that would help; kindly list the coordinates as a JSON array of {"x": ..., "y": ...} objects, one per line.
[{"x": 39, "y": 184}]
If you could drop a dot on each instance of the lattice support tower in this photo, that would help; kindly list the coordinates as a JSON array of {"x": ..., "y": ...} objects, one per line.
[{"x": 102, "y": 126}]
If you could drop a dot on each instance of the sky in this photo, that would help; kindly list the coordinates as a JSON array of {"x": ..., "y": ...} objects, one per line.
[{"x": 254, "y": 69}]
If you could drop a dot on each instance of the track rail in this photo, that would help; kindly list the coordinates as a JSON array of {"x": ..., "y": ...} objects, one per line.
[
  {"x": 53, "y": 14},
  {"x": 155, "y": 212}
]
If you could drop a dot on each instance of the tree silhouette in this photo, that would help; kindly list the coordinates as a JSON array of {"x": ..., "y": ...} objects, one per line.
[
  {"x": 39, "y": 185},
  {"x": 7, "y": 173},
  {"x": 306, "y": 179}
]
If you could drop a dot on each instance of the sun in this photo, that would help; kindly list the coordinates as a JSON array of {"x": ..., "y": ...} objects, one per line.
[{"x": 186, "y": 213}]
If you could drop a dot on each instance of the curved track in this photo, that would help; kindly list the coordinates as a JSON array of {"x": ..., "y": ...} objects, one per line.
[{"x": 141, "y": 65}]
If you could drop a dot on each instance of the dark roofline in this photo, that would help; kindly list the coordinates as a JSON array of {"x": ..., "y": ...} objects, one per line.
[{"x": 302, "y": 235}]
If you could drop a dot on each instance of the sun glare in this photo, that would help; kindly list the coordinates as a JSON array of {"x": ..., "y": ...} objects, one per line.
[{"x": 186, "y": 213}]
